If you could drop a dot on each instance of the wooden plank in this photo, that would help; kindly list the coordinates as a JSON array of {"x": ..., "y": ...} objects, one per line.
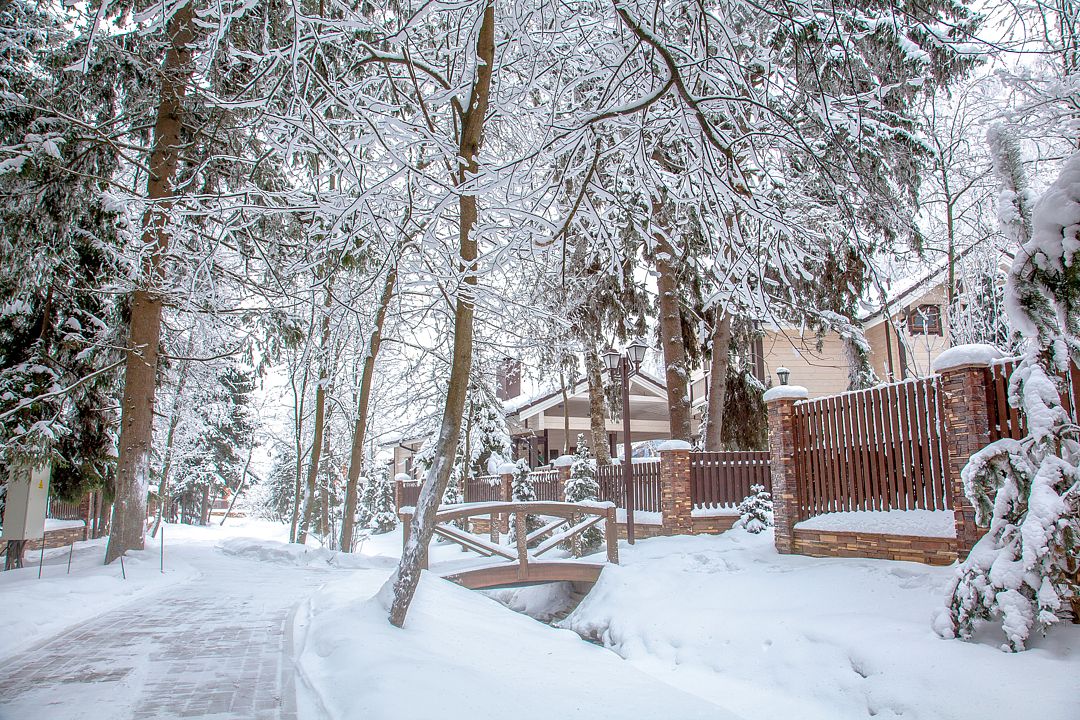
[
  {"x": 495, "y": 576},
  {"x": 837, "y": 487},
  {"x": 939, "y": 458},
  {"x": 819, "y": 458},
  {"x": 867, "y": 455},
  {"x": 881, "y": 449},
  {"x": 898, "y": 448},
  {"x": 850, "y": 458},
  {"x": 910, "y": 436}
]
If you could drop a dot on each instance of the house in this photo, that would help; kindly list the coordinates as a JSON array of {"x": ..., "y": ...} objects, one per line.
[
  {"x": 538, "y": 423},
  {"x": 905, "y": 334}
]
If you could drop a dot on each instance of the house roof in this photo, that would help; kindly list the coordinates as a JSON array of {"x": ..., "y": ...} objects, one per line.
[{"x": 550, "y": 398}]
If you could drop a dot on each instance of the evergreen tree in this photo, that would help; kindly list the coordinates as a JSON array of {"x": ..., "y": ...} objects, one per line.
[
  {"x": 1024, "y": 570},
  {"x": 756, "y": 510},
  {"x": 580, "y": 487},
  {"x": 383, "y": 514}
]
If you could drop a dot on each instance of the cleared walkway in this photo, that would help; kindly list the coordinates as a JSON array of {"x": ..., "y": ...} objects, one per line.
[{"x": 215, "y": 647}]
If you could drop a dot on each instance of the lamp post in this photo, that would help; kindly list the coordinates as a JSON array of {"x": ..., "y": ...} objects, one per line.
[
  {"x": 621, "y": 365},
  {"x": 783, "y": 373}
]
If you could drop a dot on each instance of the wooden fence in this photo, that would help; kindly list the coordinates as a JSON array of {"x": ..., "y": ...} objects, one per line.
[
  {"x": 62, "y": 510},
  {"x": 408, "y": 493},
  {"x": 646, "y": 481},
  {"x": 723, "y": 479},
  {"x": 876, "y": 449},
  {"x": 1004, "y": 420},
  {"x": 483, "y": 488},
  {"x": 547, "y": 485}
]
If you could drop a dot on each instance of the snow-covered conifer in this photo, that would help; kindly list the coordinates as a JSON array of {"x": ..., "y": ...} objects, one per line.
[
  {"x": 1023, "y": 571},
  {"x": 582, "y": 486},
  {"x": 756, "y": 510},
  {"x": 383, "y": 515}
]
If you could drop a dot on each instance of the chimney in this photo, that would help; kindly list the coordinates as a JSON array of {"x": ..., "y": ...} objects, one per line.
[{"x": 508, "y": 379}]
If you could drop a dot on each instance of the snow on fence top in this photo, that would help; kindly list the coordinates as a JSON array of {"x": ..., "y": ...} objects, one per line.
[
  {"x": 961, "y": 355},
  {"x": 674, "y": 445},
  {"x": 797, "y": 392}
]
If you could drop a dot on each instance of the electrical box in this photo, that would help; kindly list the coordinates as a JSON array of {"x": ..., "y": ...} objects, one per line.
[{"x": 27, "y": 502}]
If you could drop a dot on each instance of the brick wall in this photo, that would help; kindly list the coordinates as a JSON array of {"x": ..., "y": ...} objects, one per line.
[
  {"x": 58, "y": 538},
  {"x": 967, "y": 430},
  {"x": 675, "y": 501},
  {"x": 831, "y": 543}
]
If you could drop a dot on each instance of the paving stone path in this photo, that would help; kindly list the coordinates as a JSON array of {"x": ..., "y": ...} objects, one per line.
[{"x": 215, "y": 647}]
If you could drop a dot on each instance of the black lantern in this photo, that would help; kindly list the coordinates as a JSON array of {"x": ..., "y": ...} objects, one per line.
[{"x": 783, "y": 373}]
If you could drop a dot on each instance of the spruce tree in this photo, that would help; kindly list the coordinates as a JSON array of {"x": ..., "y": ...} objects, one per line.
[
  {"x": 1024, "y": 570},
  {"x": 582, "y": 487},
  {"x": 756, "y": 510}
]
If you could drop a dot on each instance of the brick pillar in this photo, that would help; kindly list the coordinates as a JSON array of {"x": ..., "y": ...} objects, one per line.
[
  {"x": 966, "y": 431},
  {"x": 562, "y": 464},
  {"x": 786, "y": 493},
  {"x": 675, "y": 501},
  {"x": 86, "y": 512}
]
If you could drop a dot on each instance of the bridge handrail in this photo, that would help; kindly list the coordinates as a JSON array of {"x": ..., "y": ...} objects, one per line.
[{"x": 448, "y": 513}]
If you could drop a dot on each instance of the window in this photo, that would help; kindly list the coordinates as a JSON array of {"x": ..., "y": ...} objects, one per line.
[{"x": 925, "y": 320}]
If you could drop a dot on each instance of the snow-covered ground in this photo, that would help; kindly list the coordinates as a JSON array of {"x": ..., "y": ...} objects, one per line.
[
  {"x": 709, "y": 627},
  {"x": 772, "y": 636}
]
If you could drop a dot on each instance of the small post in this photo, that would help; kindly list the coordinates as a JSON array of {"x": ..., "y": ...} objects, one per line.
[
  {"x": 123, "y": 572},
  {"x": 523, "y": 552},
  {"x": 611, "y": 536},
  {"x": 70, "y": 553},
  {"x": 41, "y": 559},
  {"x": 162, "y": 558},
  {"x": 787, "y": 507}
]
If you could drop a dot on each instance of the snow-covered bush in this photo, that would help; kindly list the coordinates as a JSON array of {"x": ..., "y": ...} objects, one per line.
[
  {"x": 1024, "y": 570},
  {"x": 582, "y": 486},
  {"x": 383, "y": 516},
  {"x": 756, "y": 510},
  {"x": 522, "y": 490}
]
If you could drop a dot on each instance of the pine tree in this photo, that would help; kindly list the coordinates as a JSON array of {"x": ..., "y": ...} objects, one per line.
[
  {"x": 522, "y": 490},
  {"x": 756, "y": 510},
  {"x": 1024, "y": 570},
  {"x": 582, "y": 487},
  {"x": 383, "y": 515}
]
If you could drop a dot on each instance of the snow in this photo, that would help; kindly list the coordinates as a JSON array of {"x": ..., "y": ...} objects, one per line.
[
  {"x": 710, "y": 627},
  {"x": 52, "y": 524},
  {"x": 774, "y": 637},
  {"x": 462, "y": 656},
  {"x": 674, "y": 445},
  {"x": 563, "y": 461},
  {"x": 35, "y": 609},
  {"x": 641, "y": 517},
  {"x": 925, "y": 523},
  {"x": 402, "y": 477},
  {"x": 506, "y": 469},
  {"x": 797, "y": 392},
  {"x": 704, "y": 512},
  {"x": 962, "y": 355}
]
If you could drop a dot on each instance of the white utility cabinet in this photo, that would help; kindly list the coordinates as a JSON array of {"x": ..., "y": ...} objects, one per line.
[{"x": 27, "y": 501}]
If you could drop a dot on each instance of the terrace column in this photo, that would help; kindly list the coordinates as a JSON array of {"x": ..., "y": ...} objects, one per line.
[
  {"x": 676, "y": 505},
  {"x": 399, "y": 481},
  {"x": 787, "y": 509},
  {"x": 964, "y": 386}
]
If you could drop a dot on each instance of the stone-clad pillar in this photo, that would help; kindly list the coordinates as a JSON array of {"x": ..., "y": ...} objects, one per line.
[
  {"x": 786, "y": 492},
  {"x": 965, "y": 392},
  {"x": 562, "y": 464},
  {"x": 675, "y": 501}
]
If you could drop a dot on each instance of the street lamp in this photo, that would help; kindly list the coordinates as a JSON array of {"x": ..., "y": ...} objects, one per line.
[
  {"x": 622, "y": 366},
  {"x": 783, "y": 373}
]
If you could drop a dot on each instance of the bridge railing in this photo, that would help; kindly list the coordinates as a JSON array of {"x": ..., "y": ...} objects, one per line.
[{"x": 563, "y": 524}]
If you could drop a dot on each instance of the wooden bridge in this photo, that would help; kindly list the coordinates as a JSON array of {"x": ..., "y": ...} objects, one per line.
[{"x": 519, "y": 564}]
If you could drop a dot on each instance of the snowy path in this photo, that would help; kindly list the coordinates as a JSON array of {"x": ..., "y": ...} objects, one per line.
[{"x": 217, "y": 646}]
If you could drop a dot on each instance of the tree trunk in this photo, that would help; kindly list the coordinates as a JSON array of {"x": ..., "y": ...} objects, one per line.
[
  {"x": 299, "y": 398},
  {"x": 174, "y": 421},
  {"x": 565, "y": 414},
  {"x": 204, "y": 516},
  {"x": 718, "y": 367},
  {"x": 597, "y": 410},
  {"x": 671, "y": 341},
  {"x": 356, "y": 457},
  {"x": 414, "y": 555},
  {"x": 144, "y": 328},
  {"x": 320, "y": 421}
]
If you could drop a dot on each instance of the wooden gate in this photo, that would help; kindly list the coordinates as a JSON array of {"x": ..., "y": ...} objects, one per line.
[
  {"x": 723, "y": 479},
  {"x": 875, "y": 449}
]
